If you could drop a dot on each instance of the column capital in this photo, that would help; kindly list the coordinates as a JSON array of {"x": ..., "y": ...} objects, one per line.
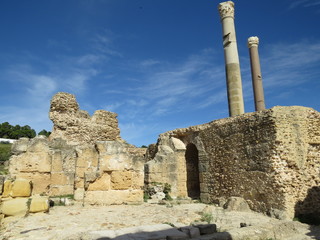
[
  {"x": 226, "y": 9},
  {"x": 253, "y": 42}
]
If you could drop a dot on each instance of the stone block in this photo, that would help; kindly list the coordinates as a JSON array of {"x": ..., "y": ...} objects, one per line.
[
  {"x": 121, "y": 180},
  {"x": 20, "y": 146},
  {"x": 80, "y": 172},
  {"x": 7, "y": 186},
  {"x": 113, "y": 197},
  {"x": 21, "y": 188},
  {"x": 177, "y": 144},
  {"x": 62, "y": 178},
  {"x": 79, "y": 194},
  {"x": 115, "y": 162},
  {"x": 79, "y": 183},
  {"x": 87, "y": 157},
  {"x": 101, "y": 183},
  {"x": 15, "y": 207},
  {"x": 40, "y": 181},
  {"x": 57, "y": 165},
  {"x": 39, "y": 204},
  {"x": 137, "y": 179},
  {"x": 207, "y": 228},
  {"x": 192, "y": 232},
  {"x": 237, "y": 204},
  {"x": 58, "y": 190},
  {"x": 31, "y": 162},
  {"x": 38, "y": 144}
]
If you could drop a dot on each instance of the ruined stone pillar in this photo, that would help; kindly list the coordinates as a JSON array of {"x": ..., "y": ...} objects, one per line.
[
  {"x": 256, "y": 74},
  {"x": 233, "y": 75}
]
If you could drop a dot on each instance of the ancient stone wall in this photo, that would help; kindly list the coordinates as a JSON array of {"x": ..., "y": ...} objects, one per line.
[
  {"x": 270, "y": 158},
  {"x": 109, "y": 172},
  {"x": 84, "y": 156},
  {"x": 77, "y": 126}
]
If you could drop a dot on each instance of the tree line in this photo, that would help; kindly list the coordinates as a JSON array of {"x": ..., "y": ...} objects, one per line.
[{"x": 15, "y": 132}]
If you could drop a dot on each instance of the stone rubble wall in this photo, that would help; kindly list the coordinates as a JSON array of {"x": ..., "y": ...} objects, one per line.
[
  {"x": 77, "y": 126},
  {"x": 270, "y": 158},
  {"x": 109, "y": 172}
]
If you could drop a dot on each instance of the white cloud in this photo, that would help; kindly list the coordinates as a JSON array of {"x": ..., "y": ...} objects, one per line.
[
  {"x": 304, "y": 3},
  {"x": 149, "y": 62}
]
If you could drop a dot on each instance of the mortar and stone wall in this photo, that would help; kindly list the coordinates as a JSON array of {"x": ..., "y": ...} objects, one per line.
[
  {"x": 84, "y": 156},
  {"x": 270, "y": 158}
]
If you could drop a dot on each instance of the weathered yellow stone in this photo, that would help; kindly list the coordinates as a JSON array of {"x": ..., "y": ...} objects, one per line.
[
  {"x": 137, "y": 179},
  {"x": 61, "y": 178},
  {"x": 7, "y": 186},
  {"x": 56, "y": 162},
  {"x": 39, "y": 204},
  {"x": 61, "y": 190},
  {"x": 100, "y": 184},
  {"x": 121, "y": 180},
  {"x": 87, "y": 157},
  {"x": 31, "y": 162},
  {"x": 15, "y": 207},
  {"x": 40, "y": 181},
  {"x": 21, "y": 188}
]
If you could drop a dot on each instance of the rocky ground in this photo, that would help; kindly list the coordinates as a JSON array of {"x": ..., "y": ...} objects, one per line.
[{"x": 117, "y": 222}]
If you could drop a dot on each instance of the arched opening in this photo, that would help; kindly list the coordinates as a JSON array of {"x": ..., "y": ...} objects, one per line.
[{"x": 192, "y": 164}]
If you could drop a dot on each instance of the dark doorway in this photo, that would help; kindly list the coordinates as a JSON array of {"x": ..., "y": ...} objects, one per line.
[{"x": 192, "y": 162}]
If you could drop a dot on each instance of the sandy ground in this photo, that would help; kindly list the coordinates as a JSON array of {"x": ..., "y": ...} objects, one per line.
[{"x": 69, "y": 222}]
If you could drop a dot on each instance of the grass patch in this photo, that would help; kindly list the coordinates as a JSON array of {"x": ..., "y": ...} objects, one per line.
[
  {"x": 5, "y": 154},
  {"x": 206, "y": 217}
]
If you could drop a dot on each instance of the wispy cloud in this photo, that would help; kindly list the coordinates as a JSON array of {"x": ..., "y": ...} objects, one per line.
[
  {"x": 103, "y": 43},
  {"x": 304, "y": 3},
  {"x": 290, "y": 64}
]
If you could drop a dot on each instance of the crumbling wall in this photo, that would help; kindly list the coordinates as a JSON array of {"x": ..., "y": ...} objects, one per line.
[
  {"x": 270, "y": 158},
  {"x": 84, "y": 156},
  {"x": 76, "y": 126}
]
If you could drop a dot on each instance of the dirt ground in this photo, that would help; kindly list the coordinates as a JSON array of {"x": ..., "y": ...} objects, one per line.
[{"x": 71, "y": 222}]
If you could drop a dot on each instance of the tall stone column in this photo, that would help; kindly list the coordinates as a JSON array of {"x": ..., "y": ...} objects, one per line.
[
  {"x": 259, "y": 103},
  {"x": 233, "y": 75}
]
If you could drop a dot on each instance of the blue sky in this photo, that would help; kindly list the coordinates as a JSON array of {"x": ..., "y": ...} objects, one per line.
[{"x": 157, "y": 63}]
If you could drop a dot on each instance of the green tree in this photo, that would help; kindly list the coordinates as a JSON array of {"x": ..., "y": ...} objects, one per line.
[
  {"x": 44, "y": 132},
  {"x": 16, "y": 132},
  {"x": 5, "y": 130}
]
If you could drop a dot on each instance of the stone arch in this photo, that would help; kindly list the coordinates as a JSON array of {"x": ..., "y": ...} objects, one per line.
[{"x": 192, "y": 167}]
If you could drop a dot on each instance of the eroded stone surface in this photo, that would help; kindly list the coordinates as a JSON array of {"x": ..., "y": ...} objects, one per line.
[
  {"x": 77, "y": 126},
  {"x": 270, "y": 158}
]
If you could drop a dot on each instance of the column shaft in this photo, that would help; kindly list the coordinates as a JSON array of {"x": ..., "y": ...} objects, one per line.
[
  {"x": 233, "y": 75},
  {"x": 256, "y": 74}
]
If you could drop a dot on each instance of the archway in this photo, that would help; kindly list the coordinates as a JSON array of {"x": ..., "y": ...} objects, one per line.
[{"x": 192, "y": 164}]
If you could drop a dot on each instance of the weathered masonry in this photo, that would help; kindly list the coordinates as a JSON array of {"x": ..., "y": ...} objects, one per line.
[{"x": 270, "y": 158}]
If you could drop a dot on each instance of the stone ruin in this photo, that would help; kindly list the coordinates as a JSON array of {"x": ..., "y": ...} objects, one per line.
[
  {"x": 269, "y": 158},
  {"x": 84, "y": 156},
  {"x": 76, "y": 126}
]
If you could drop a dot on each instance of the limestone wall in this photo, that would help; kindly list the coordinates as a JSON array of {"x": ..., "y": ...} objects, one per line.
[
  {"x": 109, "y": 172},
  {"x": 270, "y": 158},
  {"x": 84, "y": 156}
]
